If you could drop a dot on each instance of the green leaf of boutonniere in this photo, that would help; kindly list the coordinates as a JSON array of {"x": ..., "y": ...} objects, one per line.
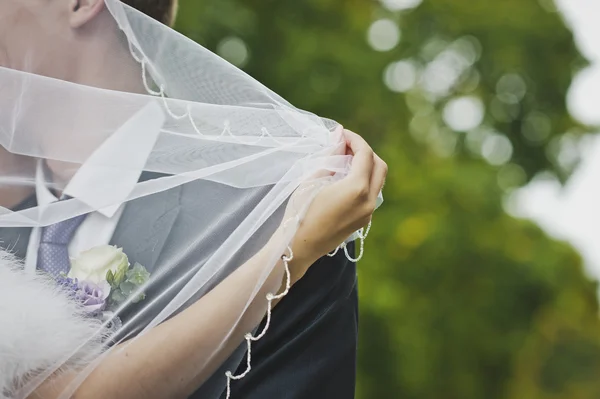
[
  {"x": 127, "y": 288},
  {"x": 138, "y": 275},
  {"x": 119, "y": 277},
  {"x": 117, "y": 296},
  {"x": 110, "y": 277},
  {"x": 125, "y": 284}
]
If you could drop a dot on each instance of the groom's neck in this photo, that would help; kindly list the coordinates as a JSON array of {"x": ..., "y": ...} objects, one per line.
[
  {"x": 103, "y": 59},
  {"x": 122, "y": 73}
]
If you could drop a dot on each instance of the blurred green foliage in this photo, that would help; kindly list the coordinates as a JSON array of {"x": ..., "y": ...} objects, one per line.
[{"x": 459, "y": 299}]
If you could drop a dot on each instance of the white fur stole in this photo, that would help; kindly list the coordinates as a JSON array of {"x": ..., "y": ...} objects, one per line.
[{"x": 39, "y": 327}]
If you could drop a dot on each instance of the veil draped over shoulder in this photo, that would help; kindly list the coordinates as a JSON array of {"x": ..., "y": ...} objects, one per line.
[{"x": 198, "y": 169}]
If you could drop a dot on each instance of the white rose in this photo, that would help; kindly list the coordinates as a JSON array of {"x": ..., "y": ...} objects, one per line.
[{"x": 92, "y": 265}]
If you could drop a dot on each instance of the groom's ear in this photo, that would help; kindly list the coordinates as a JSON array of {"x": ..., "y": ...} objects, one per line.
[{"x": 83, "y": 11}]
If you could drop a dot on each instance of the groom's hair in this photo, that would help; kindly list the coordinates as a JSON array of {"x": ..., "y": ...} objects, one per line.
[{"x": 164, "y": 11}]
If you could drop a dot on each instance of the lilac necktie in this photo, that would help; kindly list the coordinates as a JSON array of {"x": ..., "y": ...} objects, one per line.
[{"x": 53, "y": 253}]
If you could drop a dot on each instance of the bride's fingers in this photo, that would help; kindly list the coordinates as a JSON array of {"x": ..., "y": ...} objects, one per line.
[
  {"x": 338, "y": 136},
  {"x": 378, "y": 178},
  {"x": 340, "y": 152},
  {"x": 363, "y": 161},
  {"x": 320, "y": 174}
]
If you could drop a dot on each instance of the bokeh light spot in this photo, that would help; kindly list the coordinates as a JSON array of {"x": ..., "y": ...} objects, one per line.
[
  {"x": 234, "y": 50},
  {"x": 537, "y": 127},
  {"x": 400, "y": 76},
  {"x": 584, "y": 95},
  {"x": 397, "y": 5},
  {"x": 511, "y": 88},
  {"x": 463, "y": 113},
  {"x": 383, "y": 35},
  {"x": 496, "y": 149}
]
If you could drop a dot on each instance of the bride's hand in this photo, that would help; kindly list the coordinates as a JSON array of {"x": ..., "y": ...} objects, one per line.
[{"x": 340, "y": 208}]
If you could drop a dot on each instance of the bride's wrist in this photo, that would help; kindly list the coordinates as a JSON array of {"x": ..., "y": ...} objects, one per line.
[
  {"x": 304, "y": 257},
  {"x": 303, "y": 254}
]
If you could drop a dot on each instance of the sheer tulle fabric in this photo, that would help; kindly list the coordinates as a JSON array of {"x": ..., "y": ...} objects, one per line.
[{"x": 205, "y": 132}]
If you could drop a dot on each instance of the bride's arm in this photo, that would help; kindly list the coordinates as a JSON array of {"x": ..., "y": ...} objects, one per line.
[{"x": 176, "y": 357}]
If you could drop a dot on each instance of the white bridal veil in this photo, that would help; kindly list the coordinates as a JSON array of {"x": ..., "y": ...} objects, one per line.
[{"x": 200, "y": 169}]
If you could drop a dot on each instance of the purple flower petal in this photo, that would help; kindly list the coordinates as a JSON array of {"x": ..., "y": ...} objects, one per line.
[{"x": 91, "y": 296}]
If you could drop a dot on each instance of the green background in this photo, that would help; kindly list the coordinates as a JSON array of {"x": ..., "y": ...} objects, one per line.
[{"x": 458, "y": 299}]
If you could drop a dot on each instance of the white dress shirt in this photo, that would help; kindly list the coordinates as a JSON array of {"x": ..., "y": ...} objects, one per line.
[
  {"x": 89, "y": 183},
  {"x": 97, "y": 228}
]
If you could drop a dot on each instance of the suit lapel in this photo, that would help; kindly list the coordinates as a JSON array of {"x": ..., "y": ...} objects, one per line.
[{"x": 145, "y": 225}]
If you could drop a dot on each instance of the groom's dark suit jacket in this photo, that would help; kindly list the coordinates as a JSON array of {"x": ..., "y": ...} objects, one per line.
[{"x": 310, "y": 348}]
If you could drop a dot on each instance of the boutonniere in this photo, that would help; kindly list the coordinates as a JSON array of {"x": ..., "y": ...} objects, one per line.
[{"x": 102, "y": 278}]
